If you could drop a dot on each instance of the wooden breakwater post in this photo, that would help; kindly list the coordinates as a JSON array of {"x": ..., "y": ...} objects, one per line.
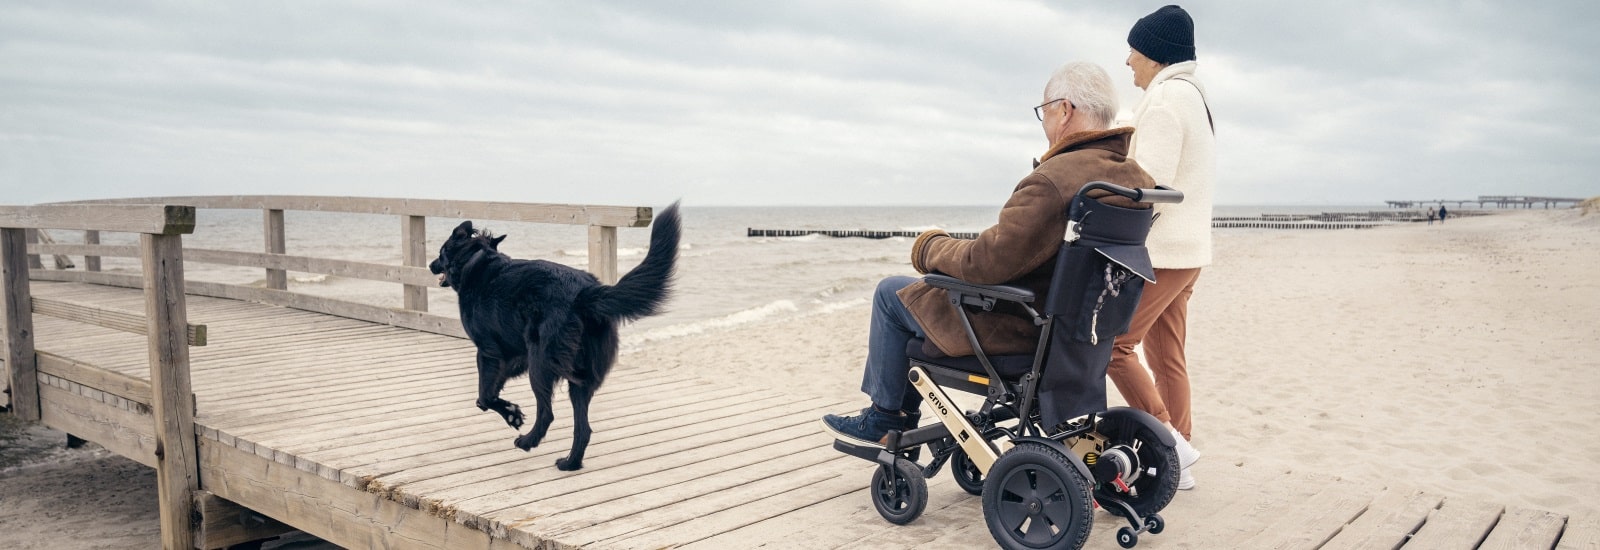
[{"x": 863, "y": 233}]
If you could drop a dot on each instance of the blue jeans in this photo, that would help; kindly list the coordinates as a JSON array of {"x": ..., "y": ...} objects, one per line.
[{"x": 887, "y": 365}]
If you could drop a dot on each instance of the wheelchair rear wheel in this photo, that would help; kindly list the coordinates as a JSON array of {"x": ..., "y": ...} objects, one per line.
[
  {"x": 1150, "y": 478},
  {"x": 900, "y": 494},
  {"x": 1036, "y": 498},
  {"x": 967, "y": 475}
]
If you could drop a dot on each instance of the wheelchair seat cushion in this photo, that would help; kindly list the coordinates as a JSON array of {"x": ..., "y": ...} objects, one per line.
[{"x": 1010, "y": 367}]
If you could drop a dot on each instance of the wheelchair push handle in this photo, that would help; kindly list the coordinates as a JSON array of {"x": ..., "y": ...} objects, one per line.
[{"x": 1161, "y": 193}]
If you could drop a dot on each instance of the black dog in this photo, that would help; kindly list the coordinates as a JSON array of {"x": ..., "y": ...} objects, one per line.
[{"x": 549, "y": 321}]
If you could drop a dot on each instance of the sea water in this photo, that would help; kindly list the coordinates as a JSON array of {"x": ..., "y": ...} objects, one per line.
[{"x": 724, "y": 278}]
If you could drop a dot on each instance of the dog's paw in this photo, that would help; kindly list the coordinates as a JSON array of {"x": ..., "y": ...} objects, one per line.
[
  {"x": 567, "y": 464},
  {"x": 526, "y": 442},
  {"x": 513, "y": 415}
]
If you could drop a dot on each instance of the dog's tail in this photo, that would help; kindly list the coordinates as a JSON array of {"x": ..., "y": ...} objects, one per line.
[{"x": 644, "y": 290}]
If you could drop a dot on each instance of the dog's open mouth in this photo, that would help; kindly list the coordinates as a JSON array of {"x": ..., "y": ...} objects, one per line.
[{"x": 442, "y": 281}]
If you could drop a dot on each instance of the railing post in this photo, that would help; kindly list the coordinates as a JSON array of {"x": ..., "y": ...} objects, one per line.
[
  {"x": 32, "y": 236},
  {"x": 177, "y": 463},
  {"x": 414, "y": 253},
  {"x": 603, "y": 253},
  {"x": 21, "y": 365},
  {"x": 91, "y": 263},
  {"x": 272, "y": 222}
]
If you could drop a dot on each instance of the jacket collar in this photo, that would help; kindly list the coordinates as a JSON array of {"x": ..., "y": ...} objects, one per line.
[
  {"x": 1185, "y": 68},
  {"x": 1115, "y": 140}
]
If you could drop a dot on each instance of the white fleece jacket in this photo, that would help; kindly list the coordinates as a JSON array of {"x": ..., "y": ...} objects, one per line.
[{"x": 1172, "y": 140}]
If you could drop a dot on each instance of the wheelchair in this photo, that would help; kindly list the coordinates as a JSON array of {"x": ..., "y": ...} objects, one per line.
[{"x": 1043, "y": 448}]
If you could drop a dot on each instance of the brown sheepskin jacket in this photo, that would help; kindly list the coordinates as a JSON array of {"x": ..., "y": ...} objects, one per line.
[{"x": 1020, "y": 250}]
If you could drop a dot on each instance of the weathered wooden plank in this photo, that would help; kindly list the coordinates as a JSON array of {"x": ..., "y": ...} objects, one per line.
[
  {"x": 1525, "y": 528},
  {"x": 21, "y": 368},
  {"x": 119, "y": 430},
  {"x": 272, "y": 231},
  {"x": 1581, "y": 534},
  {"x": 603, "y": 253},
  {"x": 361, "y": 471},
  {"x": 329, "y": 510},
  {"x": 711, "y": 514},
  {"x": 174, "y": 403},
  {"x": 413, "y": 248},
  {"x": 223, "y": 524},
  {"x": 569, "y": 214},
  {"x": 1391, "y": 517},
  {"x": 112, "y": 318},
  {"x": 145, "y": 217},
  {"x": 1456, "y": 524},
  {"x": 672, "y": 448},
  {"x": 565, "y": 510},
  {"x": 91, "y": 262},
  {"x": 122, "y": 385},
  {"x": 1312, "y": 522},
  {"x": 389, "y": 316}
]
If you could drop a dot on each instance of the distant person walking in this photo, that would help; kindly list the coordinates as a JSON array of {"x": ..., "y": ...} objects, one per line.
[
  {"x": 1442, "y": 214},
  {"x": 1175, "y": 142},
  {"x": 1431, "y": 214}
]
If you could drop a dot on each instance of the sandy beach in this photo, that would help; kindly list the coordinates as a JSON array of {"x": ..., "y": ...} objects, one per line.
[{"x": 1458, "y": 359}]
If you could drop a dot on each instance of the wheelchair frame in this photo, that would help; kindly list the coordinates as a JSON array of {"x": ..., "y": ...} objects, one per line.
[{"x": 979, "y": 440}]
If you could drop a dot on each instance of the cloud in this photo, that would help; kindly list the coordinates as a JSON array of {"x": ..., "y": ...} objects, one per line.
[{"x": 888, "y": 102}]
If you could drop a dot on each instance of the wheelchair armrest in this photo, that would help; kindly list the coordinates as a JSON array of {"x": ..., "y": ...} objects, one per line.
[{"x": 1002, "y": 292}]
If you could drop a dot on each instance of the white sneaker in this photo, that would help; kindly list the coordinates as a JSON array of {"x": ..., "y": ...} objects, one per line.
[{"x": 1187, "y": 456}]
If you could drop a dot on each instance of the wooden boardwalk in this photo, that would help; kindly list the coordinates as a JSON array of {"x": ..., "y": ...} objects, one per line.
[{"x": 357, "y": 425}]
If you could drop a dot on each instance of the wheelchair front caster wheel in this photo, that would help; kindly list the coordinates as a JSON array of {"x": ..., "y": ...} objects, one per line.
[
  {"x": 1127, "y": 538},
  {"x": 1154, "y": 524},
  {"x": 967, "y": 475},
  {"x": 899, "y": 494}
]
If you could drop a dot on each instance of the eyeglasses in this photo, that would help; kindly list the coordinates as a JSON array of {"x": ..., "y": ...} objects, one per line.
[{"x": 1038, "y": 112}]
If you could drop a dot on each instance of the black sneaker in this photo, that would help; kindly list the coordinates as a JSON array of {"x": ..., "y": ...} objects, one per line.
[{"x": 871, "y": 427}]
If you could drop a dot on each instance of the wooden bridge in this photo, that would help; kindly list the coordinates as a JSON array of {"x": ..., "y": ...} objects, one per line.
[{"x": 264, "y": 410}]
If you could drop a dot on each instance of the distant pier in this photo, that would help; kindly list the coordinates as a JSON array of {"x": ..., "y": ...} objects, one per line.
[{"x": 1499, "y": 201}]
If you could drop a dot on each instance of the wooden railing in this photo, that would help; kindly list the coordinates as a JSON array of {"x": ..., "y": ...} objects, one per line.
[
  {"x": 150, "y": 421},
  {"x": 412, "y": 275}
]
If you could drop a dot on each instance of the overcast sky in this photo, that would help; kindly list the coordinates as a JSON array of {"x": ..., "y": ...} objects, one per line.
[{"x": 770, "y": 103}]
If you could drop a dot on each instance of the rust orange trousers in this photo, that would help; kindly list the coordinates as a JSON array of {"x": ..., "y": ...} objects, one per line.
[{"x": 1159, "y": 325}]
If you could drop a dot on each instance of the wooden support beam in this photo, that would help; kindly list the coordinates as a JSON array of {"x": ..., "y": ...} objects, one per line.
[
  {"x": 32, "y": 236},
  {"x": 21, "y": 366},
  {"x": 603, "y": 253},
  {"x": 272, "y": 225},
  {"x": 112, "y": 318},
  {"x": 177, "y": 471},
  {"x": 105, "y": 380},
  {"x": 89, "y": 414},
  {"x": 414, "y": 253},
  {"x": 224, "y": 523}
]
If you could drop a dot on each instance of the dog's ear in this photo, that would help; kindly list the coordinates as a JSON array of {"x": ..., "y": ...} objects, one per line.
[
  {"x": 495, "y": 243},
  {"x": 463, "y": 230}
]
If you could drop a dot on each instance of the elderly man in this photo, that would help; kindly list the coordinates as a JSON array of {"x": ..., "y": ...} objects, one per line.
[
  {"x": 1079, "y": 104},
  {"x": 1175, "y": 143}
]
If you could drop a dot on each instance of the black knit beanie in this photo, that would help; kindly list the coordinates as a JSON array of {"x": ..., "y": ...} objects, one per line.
[{"x": 1165, "y": 36}]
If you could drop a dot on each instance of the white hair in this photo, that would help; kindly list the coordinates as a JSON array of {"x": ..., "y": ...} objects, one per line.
[{"x": 1089, "y": 89}]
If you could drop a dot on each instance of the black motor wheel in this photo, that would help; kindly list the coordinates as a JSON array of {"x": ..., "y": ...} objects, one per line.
[
  {"x": 1152, "y": 473},
  {"x": 899, "y": 495},
  {"x": 967, "y": 474},
  {"x": 1036, "y": 498}
]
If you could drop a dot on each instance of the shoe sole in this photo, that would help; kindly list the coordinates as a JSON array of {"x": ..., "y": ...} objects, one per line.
[{"x": 853, "y": 440}]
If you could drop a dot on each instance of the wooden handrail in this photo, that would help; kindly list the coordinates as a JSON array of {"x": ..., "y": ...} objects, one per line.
[
  {"x": 152, "y": 219},
  {"x": 569, "y": 214}
]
